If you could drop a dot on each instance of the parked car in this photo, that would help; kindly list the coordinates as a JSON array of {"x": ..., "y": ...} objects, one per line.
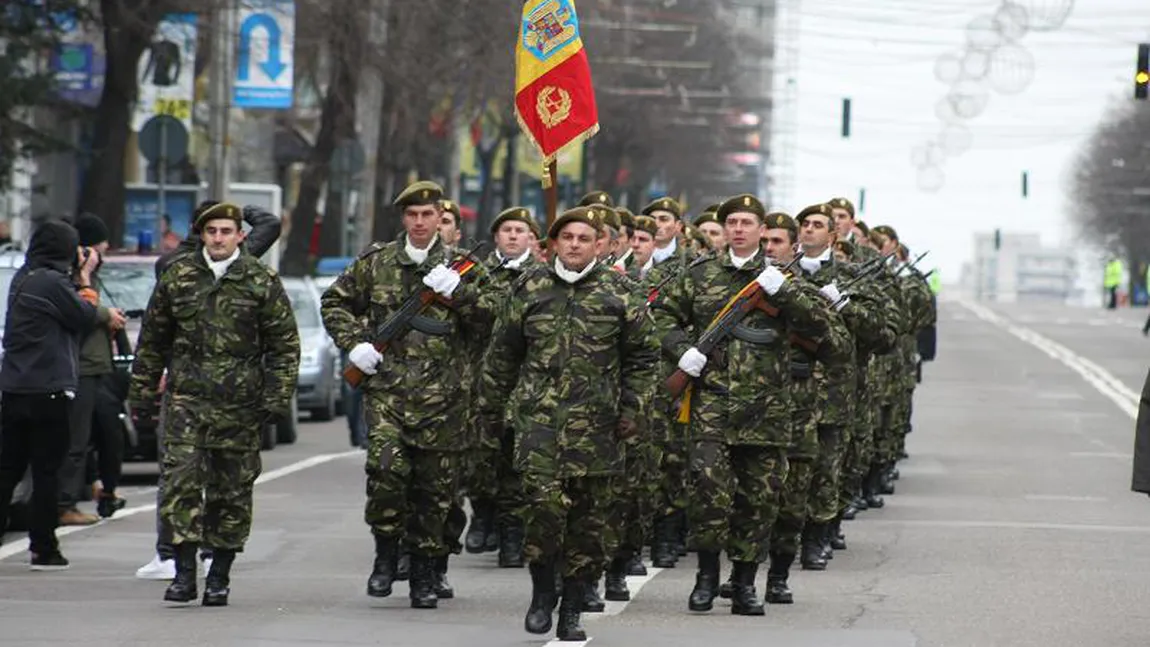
[{"x": 318, "y": 390}]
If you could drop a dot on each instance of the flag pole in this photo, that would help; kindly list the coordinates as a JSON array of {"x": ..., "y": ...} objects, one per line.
[{"x": 551, "y": 192}]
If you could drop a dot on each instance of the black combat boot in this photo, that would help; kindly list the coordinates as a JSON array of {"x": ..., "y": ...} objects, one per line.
[
  {"x": 482, "y": 517},
  {"x": 894, "y": 475},
  {"x": 569, "y": 628},
  {"x": 838, "y": 539},
  {"x": 812, "y": 556},
  {"x": 635, "y": 566},
  {"x": 422, "y": 584},
  {"x": 872, "y": 484},
  {"x": 726, "y": 588},
  {"x": 886, "y": 479},
  {"x": 543, "y": 598},
  {"x": 439, "y": 583},
  {"x": 183, "y": 587},
  {"x": 681, "y": 531},
  {"x": 616, "y": 585},
  {"x": 383, "y": 569},
  {"x": 744, "y": 600},
  {"x": 780, "y": 570},
  {"x": 663, "y": 553},
  {"x": 511, "y": 545},
  {"x": 403, "y": 567},
  {"x": 592, "y": 601},
  {"x": 825, "y": 542},
  {"x": 219, "y": 578},
  {"x": 706, "y": 582}
]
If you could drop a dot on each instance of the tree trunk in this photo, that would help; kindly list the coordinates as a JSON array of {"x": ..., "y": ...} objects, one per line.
[
  {"x": 337, "y": 122},
  {"x": 127, "y": 32}
]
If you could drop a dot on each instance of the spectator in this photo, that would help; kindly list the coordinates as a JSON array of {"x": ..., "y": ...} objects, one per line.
[
  {"x": 169, "y": 241},
  {"x": 47, "y": 316}
]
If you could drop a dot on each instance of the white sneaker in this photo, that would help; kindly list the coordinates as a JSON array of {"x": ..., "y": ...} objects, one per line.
[{"x": 157, "y": 569}]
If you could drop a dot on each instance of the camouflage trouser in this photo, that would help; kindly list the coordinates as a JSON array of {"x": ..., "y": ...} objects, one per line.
[
  {"x": 493, "y": 480},
  {"x": 410, "y": 489},
  {"x": 860, "y": 450},
  {"x": 567, "y": 520},
  {"x": 207, "y": 494},
  {"x": 454, "y": 525},
  {"x": 903, "y": 409},
  {"x": 735, "y": 497},
  {"x": 633, "y": 501},
  {"x": 823, "y": 503},
  {"x": 792, "y": 506},
  {"x": 886, "y": 436}
]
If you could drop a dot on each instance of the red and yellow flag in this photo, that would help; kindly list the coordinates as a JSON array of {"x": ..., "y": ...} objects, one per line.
[{"x": 554, "y": 97}]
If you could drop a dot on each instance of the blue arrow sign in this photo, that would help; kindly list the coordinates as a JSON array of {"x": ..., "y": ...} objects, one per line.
[
  {"x": 272, "y": 67},
  {"x": 271, "y": 85}
]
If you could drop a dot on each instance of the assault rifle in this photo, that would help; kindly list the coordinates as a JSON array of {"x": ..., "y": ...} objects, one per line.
[
  {"x": 399, "y": 323},
  {"x": 750, "y": 298}
]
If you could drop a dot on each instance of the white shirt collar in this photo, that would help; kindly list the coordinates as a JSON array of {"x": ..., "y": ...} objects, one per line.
[
  {"x": 739, "y": 261},
  {"x": 621, "y": 263},
  {"x": 219, "y": 268},
  {"x": 811, "y": 264},
  {"x": 416, "y": 254},
  {"x": 514, "y": 263},
  {"x": 662, "y": 254},
  {"x": 570, "y": 276}
]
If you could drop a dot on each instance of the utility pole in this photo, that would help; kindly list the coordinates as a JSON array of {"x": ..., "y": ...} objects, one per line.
[{"x": 221, "y": 71}]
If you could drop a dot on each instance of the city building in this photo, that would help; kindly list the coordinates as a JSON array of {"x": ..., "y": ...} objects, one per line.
[{"x": 1016, "y": 267}]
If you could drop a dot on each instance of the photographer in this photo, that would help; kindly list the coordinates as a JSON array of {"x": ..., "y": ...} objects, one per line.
[
  {"x": 47, "y": 316},
  {"x": 91, "y": 410}
]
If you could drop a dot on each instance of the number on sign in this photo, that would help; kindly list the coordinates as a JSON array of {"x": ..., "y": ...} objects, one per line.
[{"x": 178, "y": 108}]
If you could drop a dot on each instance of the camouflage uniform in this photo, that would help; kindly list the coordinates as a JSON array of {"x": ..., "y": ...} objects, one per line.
[
  {"x": 416, "y": 403},
  {"x": 494, "y": 485},
  {"x": 921, "y": 314},
  {"x": 580, "y": 360},
  {"x": 740, "y": 406},
  {"x": 232, "y": 352}
]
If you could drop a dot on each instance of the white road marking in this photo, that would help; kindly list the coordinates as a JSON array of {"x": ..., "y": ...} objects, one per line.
[
  {"x": 1124, "y": 456},
  {"x": 1064, "y": 498},
  {"x": 1012, "y": 525},
  {"x": 634, "y": 584},
  {"x": 1101, "y": 379},
  {"x": 21, "y": 546}
]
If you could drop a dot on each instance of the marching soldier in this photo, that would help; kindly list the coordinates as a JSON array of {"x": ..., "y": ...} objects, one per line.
[
  {"x": 624, "y": 255},
  {"x": 709, "y": 226},
  {"x": 221, "y": 323},
  {"x": 450, "y": 232},
  {"x": 739, "y": 404},
  {"x": 414, "y": 399},
  {"x": 495, "y": 491},
  {"x": 642, "y": 247},
  {"x": 580, "y": 359}
]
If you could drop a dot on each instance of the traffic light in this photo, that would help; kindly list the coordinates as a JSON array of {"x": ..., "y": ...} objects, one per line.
[
  {"x": 1025, "y": 184},
  {"x": 1142, "y": 74},
  {"x": 846, "y": 118},
  {"x": 997, "y": 239}
]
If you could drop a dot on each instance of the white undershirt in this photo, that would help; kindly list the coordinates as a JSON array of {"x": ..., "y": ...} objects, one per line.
[
  {"x": 571, "y": 276},
  {"x": 219, "y": 268}
]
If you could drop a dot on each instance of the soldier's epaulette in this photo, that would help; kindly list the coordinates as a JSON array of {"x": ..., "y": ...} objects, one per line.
[{"x": 373, "y": 248}]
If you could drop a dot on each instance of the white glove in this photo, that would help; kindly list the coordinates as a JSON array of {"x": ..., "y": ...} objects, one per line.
[
  {"x": 831, "y": 292},
  {"x": 771, "y": 279},
  {"x": 442, "y": 279},
  {"x": 365, "y": 357},
  {"x": 692, "y": 362}
]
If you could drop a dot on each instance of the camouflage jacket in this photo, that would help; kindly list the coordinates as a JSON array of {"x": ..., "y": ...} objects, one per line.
[
  {"x": 919, "y": 315},
  {"x": 583, "y": 357},
  {"x": 833, "y": 365},
  {"x": 418, "y": 383},
  {"x": 742, "y": 396},
  {"x": 231, "y": 346}
]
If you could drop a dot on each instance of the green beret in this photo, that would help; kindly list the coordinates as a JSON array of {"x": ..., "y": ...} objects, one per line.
[
  {"x": 846, "y": 247},
  {"x": 451, "y": 206},
  {"x": 218, "y": 211},
  {"x": 843, "y": 203},
  {"x": 597, "y": 197},
  {"x": 585, "y": 215},
  {"x": 519, "y": 214},
  {"x": 420, "y": 193},
  {"x": 647, "y": 224},
  {"x": 862, "y": 227},
  {"x": 886, "y": 230},
  {"x": 745, "y": 203},
  {"x": 626, "y": 218},
  {"x": 692, "y": 232},
  {"x": 610, "y": 218},
  {"x": 706, "y": 216},
  {"x": 824, "y": 209},
  {"x": 780, "y": 220},
  {"x": 665, "y": 204}
]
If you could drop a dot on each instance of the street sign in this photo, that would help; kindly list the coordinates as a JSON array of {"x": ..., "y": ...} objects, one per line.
[
  {"x": 264, "y": 62},
  {"x": 164, "y": 138},
  {"x": 167, "y": 72}
]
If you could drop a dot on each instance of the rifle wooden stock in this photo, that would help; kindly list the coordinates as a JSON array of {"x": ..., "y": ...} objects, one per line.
[
  {"x": 677, "y": 383},
  {"x": 803, "y": 342},
  {"x": 353, "y": 375}
]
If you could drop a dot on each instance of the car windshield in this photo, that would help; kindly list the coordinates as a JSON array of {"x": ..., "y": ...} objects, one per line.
[
  {"x": 304, "y": 306},
  {"x": 127, "y": 286},
  {"x": 6, "y": 275}
]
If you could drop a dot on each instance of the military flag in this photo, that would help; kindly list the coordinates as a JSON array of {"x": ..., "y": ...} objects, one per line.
[{"x": 554, "y": 97}]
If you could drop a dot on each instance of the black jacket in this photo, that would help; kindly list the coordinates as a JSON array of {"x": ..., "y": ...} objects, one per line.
[
  {"x": 46, "y": 317},
  {"x": 265, "y": 232}
]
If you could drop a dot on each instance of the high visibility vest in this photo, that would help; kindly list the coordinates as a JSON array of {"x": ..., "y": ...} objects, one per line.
[
  {"x": 1113, "y": 276},
  {"x": 935, "y": 283}
]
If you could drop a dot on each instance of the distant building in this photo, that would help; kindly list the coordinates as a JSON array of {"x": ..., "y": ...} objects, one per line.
[{"x": 1021, "y": 269}]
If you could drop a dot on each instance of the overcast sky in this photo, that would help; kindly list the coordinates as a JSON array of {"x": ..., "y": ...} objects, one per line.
[{"x": 883, "y": 55}]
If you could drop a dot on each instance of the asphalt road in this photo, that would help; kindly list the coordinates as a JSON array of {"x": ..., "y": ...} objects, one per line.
[{"x": 1013, "y": 524}]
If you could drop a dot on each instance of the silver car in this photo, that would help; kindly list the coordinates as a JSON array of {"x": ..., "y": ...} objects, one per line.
[{"x": 318, "y": 390}]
